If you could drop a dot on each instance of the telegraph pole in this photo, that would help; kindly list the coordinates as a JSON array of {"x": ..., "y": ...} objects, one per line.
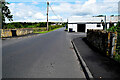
[
  {"x": 105, "y": 23},
  {"x": 47, "y": 15}
]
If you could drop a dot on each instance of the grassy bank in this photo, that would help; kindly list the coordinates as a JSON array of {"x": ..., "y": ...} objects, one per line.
[
  {"x": 42, "y": 32},
  {"x": 66, "y": 29}
]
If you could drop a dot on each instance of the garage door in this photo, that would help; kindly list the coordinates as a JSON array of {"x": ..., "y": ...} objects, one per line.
[{"x": 81, "y": 27}]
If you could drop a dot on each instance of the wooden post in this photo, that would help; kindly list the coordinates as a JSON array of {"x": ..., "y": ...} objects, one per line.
[
  {"x": 47, "y": 15},
  {"x": 115, "y": 44},
  {"x": 108, "y": 50},
  {"x": 105, "y": 23}
]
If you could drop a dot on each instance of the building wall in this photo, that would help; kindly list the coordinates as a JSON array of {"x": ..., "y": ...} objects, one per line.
[
  {"x": 73, "y": 26},
  {"x": 93, "y": 26},
  {"x": 108, "y": 25},
  {"x": 88, "y": 26},
  {"x": 115, "y": 24}
]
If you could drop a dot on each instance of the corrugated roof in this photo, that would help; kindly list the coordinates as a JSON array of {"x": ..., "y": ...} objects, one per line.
[{"x": 79, "y": 19}]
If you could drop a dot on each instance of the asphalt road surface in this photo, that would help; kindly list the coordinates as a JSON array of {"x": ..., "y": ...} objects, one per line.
[
  {"x": 99, "y": 65},
  {"x": 47, "y": 55}
]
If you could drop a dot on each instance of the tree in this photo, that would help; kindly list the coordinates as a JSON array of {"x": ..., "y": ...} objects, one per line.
[
  {"x": 111, "y": 15},
  {"x": 5, "y": 13},
  {"x": 100, "y": 16}
]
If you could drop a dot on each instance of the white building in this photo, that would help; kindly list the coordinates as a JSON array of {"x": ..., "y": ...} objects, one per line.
[{"x": 81, "y": 24}]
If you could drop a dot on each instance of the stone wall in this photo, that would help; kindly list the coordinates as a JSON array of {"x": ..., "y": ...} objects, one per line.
[
  {"x": 20, "y": 32},
  {"x": 6, "y": 33},
  {"x": 104, "y": 41},
  {"x": 17, "y": 32}
]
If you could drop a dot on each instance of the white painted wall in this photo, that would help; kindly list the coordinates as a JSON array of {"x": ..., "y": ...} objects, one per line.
[
  {"x": 108, "y": 25},
  {"x": 115, "y": 24},
  {"x": 82, "y": 19},
  {"x": 73, "y": 26},
  {"x": 93, "y": 26},
  {"x": 88, "y": 26}
]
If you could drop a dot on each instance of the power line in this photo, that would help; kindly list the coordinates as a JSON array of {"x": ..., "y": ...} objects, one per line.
[{"x": 55, "y": 13}]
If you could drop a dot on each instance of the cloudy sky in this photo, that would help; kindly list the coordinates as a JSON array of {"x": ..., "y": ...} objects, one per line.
[{"x": 35, "y": 10}]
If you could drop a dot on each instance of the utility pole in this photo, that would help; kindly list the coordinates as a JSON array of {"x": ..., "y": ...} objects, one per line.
[
  {"x": 1, "y": 15},
  {"x": 105, "y": 23},
  {"x": 61, "y": 21},
  {"x": 47, "y": 15}
]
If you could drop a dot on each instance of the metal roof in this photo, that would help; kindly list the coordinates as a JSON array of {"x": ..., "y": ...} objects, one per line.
[{"x": 89, "y": 20}]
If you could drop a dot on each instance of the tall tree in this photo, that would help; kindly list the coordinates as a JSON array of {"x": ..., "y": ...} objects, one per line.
[{"x": 5, "y": 13}]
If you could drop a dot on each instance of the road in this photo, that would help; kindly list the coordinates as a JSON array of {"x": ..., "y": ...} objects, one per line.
[
  {"x": 99, "y": 65},
  {"x": 47, "y": 55}
]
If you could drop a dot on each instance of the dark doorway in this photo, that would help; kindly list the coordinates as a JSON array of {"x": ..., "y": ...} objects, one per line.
[
  {"x": 13, "y": 33},
  {"x": 70, "y": 29},
  {"x": 81, "y": 27}
]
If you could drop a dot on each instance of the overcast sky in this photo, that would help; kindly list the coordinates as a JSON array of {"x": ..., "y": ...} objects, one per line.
[{"x": 35, "y": 10}]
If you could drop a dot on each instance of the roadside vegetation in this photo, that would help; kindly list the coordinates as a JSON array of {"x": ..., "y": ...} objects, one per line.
[
  {"x": 66, "y": 29},
  {"x": 116, "y": 29},
  {"x": 37, "y": 27},
  {"x": 6, "y": 13},
  {"x": 15, "y": 25},
  {"x": 44, "y": 30}
]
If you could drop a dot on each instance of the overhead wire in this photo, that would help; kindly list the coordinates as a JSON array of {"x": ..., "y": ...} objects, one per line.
[{"x": 55, "y": 14}]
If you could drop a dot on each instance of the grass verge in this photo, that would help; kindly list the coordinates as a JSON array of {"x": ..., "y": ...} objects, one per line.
[
  {"x": 42, "y": 32},
  {"x": 66, "y": 30}
]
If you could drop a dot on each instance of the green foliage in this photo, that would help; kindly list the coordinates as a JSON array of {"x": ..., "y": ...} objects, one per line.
[
  {"x": 117, "y": 57},
  {"x": 118, "y": 38},
  {"x": 114, "y": 28},
  {"x": 117, "y": 29},
  {"x": 30, "y": 25},
  {"x": 41, "y": 24},
  {"x": 10, "y": 26},
  {"x": 55, "y": 26},
  {"x": 100, "y": 15},
  {"x": 18, "y": 25},
  {"x": 65, "y": 25},
  {"x": 51, "y": 28},
  {"x": 14, "y": 25},
  {"x": 5, "y": 12},
  {"x": 38, "y": 30},
  {"x": 66, "y": 29}
]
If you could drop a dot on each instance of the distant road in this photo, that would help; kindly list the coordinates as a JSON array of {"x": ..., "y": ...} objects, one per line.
[{"x": 48, "y": 55}]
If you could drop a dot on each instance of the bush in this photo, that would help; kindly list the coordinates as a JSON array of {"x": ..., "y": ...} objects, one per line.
[
  {"x": 10, "y": 26},
  {"x": 116, "y": 29},
  {"x": 30, "y": 25},
  {"x": 14, "y": 25}
]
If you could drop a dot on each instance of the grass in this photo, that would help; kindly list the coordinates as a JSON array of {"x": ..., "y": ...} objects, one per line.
[
  {"x": 66, "y": 29},
  {"x": 117, "y": 57},
  {"x": 42, "y": 32}
]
